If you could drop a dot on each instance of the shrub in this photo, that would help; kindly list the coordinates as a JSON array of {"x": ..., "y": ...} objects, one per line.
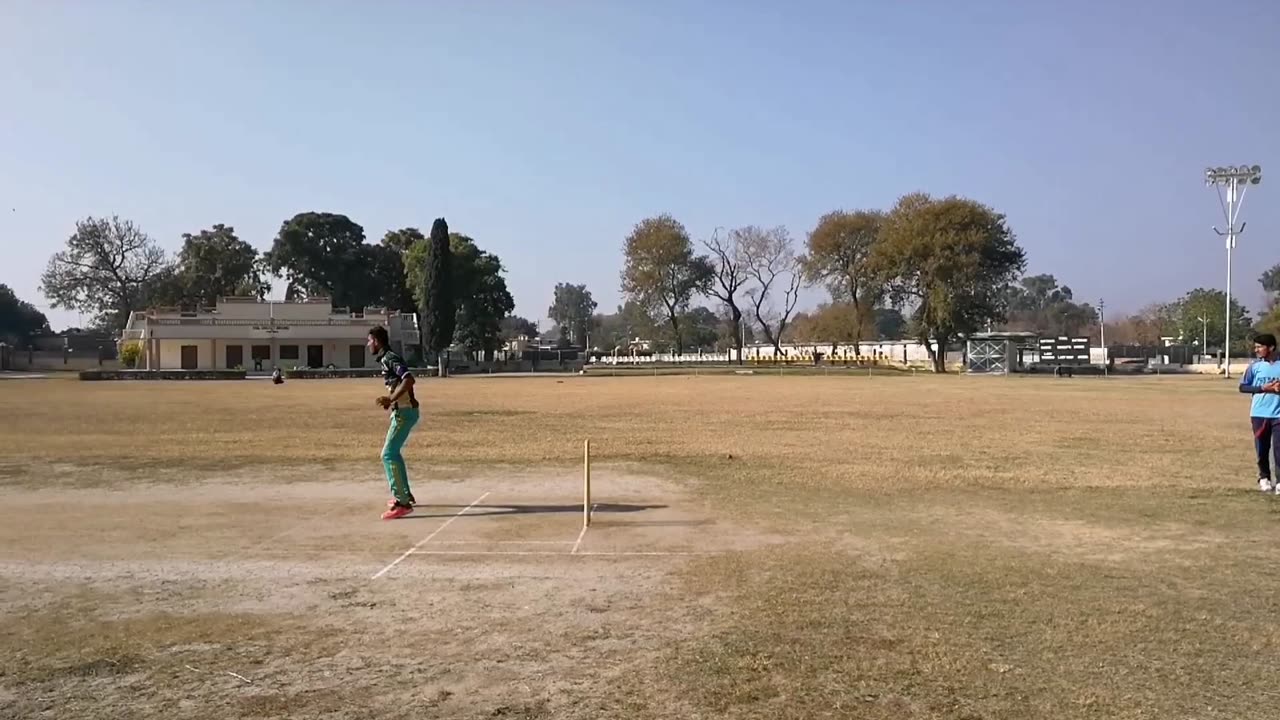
[{"x": 130, "y": 354}]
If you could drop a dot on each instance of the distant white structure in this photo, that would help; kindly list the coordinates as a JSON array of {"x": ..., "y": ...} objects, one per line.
[
  {"x": 260, "y": 335},
  {"x": 895, "y": 352}
]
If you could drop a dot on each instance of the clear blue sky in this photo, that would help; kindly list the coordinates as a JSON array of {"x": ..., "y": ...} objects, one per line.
[{"x": 547, "y": 129}]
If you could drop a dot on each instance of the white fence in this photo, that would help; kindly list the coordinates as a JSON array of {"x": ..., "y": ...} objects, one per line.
[
  {"x": 901, "y": 352},
  {"x": 662, "y": 358}
]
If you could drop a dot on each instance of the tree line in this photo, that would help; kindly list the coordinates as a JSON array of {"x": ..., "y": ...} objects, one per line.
[
  {"x": 929, "y": 268},
  {"x": 110, "y": 267},
  {"x": 934, "y": 268}
]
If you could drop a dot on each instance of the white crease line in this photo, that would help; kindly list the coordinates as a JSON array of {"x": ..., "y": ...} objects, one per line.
[
  {"x": 504, "y": 542},
  {"x": 427, "y": 539},
  {"x": 552, "y": 552}
]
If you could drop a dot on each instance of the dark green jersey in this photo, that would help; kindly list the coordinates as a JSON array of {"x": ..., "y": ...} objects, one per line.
[{"x": 394, "y": 371}]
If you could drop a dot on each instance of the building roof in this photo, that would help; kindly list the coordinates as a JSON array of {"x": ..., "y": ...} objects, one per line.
[{"x": 1011, "y": 335}]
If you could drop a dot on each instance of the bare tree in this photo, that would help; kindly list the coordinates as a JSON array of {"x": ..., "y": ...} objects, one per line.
[
  {"x": 730, "y": 276},
  {"x": 106, "y": 269},
  {"x": 774, "y": 269}
]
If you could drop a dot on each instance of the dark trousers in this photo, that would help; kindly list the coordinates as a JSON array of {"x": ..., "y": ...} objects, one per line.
[{"x": 1266, "y": 440}]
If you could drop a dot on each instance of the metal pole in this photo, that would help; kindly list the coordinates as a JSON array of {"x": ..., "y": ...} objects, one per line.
[
  {"x": 1231, "y": 241},
  {"x": 1204, "y": 335},
  {"x": 1236, "y": 179},
  {"x": 1102, "y": 330}
]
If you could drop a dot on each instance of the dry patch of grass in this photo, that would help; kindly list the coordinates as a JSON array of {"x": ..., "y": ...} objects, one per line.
[
  {"x": 959, "y": 548},
  {"x": 842, "y": 433},
  {"x": 980, "y": 633}
]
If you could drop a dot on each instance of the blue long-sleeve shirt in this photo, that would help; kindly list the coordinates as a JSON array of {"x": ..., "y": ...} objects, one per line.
[{"x": 1265, "y": 405}]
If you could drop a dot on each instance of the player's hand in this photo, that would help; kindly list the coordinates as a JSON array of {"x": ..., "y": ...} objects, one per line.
[
  {"x": 383, "y": 402},
  {"x": 1272, "y": 387}
]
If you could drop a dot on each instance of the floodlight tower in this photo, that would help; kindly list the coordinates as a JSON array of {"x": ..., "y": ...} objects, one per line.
[{"x": 1236, "y": 180}]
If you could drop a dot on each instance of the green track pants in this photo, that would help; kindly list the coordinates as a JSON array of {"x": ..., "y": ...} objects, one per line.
[{"x": 402, "y": 421}]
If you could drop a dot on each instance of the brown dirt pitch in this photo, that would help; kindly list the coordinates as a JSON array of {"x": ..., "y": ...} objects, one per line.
[{"x": 763, "y": 547}]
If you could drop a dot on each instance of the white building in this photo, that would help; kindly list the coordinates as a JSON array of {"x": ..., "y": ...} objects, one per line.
[{"x": 259, "y": 335}]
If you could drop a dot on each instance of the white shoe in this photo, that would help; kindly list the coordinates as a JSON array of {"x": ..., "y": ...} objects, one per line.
[{"x": 1266, "y": 486}]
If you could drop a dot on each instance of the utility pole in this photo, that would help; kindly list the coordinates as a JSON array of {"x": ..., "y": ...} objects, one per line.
[
  {"x": 1236, "y": 180},
  {"x": 1102, "y": 330},
  {"x": 1204, "y": 334}
]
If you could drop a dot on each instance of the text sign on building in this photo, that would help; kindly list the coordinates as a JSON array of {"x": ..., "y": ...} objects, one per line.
[{"x": 1065, "y": 350}]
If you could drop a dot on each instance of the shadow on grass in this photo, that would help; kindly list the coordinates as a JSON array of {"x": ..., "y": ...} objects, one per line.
[{"x": 483, "y": 510}]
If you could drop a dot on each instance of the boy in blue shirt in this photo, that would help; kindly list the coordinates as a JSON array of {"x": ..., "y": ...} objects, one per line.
[{"x": 1262, "y": 381}]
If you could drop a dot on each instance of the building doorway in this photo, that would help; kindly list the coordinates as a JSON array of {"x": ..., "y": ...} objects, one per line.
[
  {"x": 356, "y": 357},
  {"x": 235, "y": 356},
  {"x": 190, "y": 357},
  {"x": 315, "y": 356}
]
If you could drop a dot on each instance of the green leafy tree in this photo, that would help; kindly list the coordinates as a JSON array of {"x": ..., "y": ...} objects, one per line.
[
  {"x": 322, "y": 254},
  {"x": 1200, "y": 316},
  {"x": 1039, "y": 304},
  {"x": 833, "y": 322},
  {"x": 436, "y": 293},
  {"x": 701, "y": 328},
  {"x": 661, "y": 273},
  {"x": 1270, "y": 280},
  {"x": 478, "y": 296},
  {"x": 890, "y": 323},
  {"x": 105, "y": 270},
  {"x": 631, "y": 321},
  {"x": 388, "y": 280},
  {"x": 213, "y": 263},
  {"x": 572, "y": 308},
  {"x": 840, "y": 255},
  {"x": 482, "y": 299},
  {"x": 403, "y": 239},
  {"x": 514, "y": 326},
  {"x": 20, "y": 321},
  {"x": 951, "y": 260}
]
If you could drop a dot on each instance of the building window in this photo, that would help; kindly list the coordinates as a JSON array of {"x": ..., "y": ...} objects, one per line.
[
  {"x": 288, "y": 352},
  {"x": 261, "y": 352}
]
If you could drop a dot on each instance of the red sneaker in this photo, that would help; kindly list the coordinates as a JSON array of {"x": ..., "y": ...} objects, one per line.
[{"x": 397, "y": 511}]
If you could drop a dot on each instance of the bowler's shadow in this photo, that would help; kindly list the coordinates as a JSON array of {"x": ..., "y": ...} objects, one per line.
[{"x": 483, "y": 510}]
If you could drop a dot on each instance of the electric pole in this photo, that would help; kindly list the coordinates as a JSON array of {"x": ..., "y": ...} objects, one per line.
[
  {"x": 1102, "y": 330},
  {"x": 1236, "y": 180}
]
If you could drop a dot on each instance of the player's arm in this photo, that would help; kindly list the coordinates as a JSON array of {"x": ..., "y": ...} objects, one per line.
[
  {"x": 1247, "y": 386},
  {"x": 1246, "y": 382}
]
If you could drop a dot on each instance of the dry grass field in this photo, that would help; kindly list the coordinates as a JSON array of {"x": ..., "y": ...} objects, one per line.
[{"x": 764, "y": 547}]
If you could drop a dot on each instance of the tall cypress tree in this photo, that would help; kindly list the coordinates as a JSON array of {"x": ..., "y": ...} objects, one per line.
[{"x": 439, "y": 311}]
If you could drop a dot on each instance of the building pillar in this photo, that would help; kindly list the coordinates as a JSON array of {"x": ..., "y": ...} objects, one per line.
[{"x": 213, "y": 349}]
